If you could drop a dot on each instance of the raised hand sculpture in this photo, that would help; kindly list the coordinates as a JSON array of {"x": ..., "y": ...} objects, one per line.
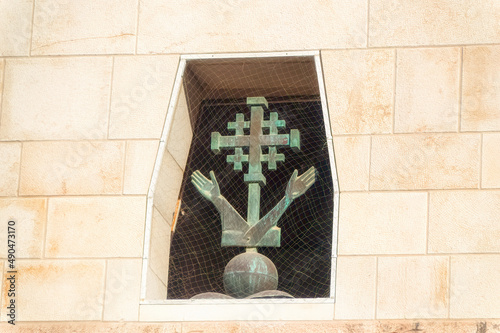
[{"x": 255, "y": 231}]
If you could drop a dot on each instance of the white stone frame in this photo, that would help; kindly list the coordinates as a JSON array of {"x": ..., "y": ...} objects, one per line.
[{"x": 244, "y": 309}]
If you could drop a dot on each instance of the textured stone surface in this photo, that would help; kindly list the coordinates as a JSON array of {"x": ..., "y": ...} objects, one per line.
[
  {"x": 181, "y": 134},
  {"x": 140, "y": 96},
  {"x": 407, "y": 22},
  {"x": 231, "y": 26},
  {"x": 76, "y": 286},
  {"x": 123, "y": 288},
  {"x": 68, "y": 98},
  {"x": 217, "y": 327},
  {"x": 359, "y": 85},
  {"x": 481, "y": 89},
  {"x": 167, "y": 187},
  {"x": 160, "y": 246},
  {"x": 412, "y": 287},
  {"x": 464, "y": 221},
  {"x": 382, "y": 223},
  {"x": 411, "y": 162},
  {"x": 352, "y": 158},
  {"x": 72, "y": 167},
  {"x": 30, "y": 217},
  {"x": 474, "y": 287},
  {"x": 74, "y": 27},
  {"x": 95, "y": 227},
  {"x": 360, "y": 326},
  {"x": 139, "y": 163},
  {"x": 355, "y": 287},
  {"x": 9, "y": 167},
  {"x": 15, "y": 27},
  {"x": 490, "y": 177},
  {"x": 427, "y": 90}
]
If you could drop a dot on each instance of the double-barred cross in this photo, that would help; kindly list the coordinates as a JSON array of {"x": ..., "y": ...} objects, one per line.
[{"x": 255, "y": 141}]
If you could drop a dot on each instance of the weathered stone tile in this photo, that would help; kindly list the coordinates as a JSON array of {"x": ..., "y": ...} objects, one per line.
[
  {"x": 352, "y": 158},
  {"x": 68, "y": 98},
  {"x": 491, "y": 161},
  {"x": 464, "y": 221},
  {"x": 216, "y": 327},
  {"x": 9, "y": 168},
  {"x": 382, "y": 223},
  {"x": 123, "y": 288},
  {"x": 474, "y": 287},
  {"x": 29, "y": 216},
  {"x": 217, "y": 26},
  {"x": 438, "y": 161},
  {"x": 355, "y": 287},
  {"x": 412, "y": 287},
  {"x": 155, "y": 288},
  {"x": 181, "y": 134},
  {"x": 140, "y": 96},
  {"x": 76, "y": 167},
  {"x": 77, "y": 287},
  {"x": 360, "y": 87},
  {"x": 15, "y": 29},
  {"x": 167, "y": 187},
  {"x": 159, "y": 246},
  {"x": 481, "y": 89},
  {"x": 94, "y": 327},
  {"x": 139, "y": 163},
  {"x": 95, "y": 227},
  {"x": 336, "y": 326},
  {"x": 427, "y": 90},
  {"x": 75, "y": 27},
  {"x": 407, "y": 22}
]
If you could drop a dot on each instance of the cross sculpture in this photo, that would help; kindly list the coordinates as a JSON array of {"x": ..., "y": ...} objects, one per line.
[{"x": 256, "y": 231}]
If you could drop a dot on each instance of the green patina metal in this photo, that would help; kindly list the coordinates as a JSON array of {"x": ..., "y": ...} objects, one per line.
[{"x": 255, "y": 231}]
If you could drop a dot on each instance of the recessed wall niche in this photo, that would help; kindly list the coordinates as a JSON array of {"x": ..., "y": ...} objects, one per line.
[{"x": 183, "y": 256}]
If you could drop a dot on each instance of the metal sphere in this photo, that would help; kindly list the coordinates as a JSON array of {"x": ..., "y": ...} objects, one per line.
[
  {"x": 249, "y": 273},
  {"x": 211, "y": 295}
]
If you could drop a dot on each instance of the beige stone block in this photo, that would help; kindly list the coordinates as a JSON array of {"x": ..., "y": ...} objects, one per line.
[
  {"x": 159, "y": 246},
  {"x": 407, "y": 22},
  {"x": 168, "y": 186},
  {"x": 95, "y": 227},
  {"x": 94, "y": 327},
  {"x": 231, "y": 26},
  {"x": 490, "y": 176},
  {"x": 29, "y": 216},
  {"x": 355, "y": 287},
  {"x": 294, "y": 326},
  {"x": 427, "y": 90},
  {"x": 481, "y": 89},
  {"x": 412, "y": 287},
  {"x": 68, "y": 98},
  {"x": 141, "y": 94},
  {"x": 382, "y": 223},
  {"x": 9, "y": 168},
  {"x": 360, "y": 87},
  {"x": 352, "y": 158},
  {"x": 217, "y": 327},
  {"x": 76, "y": 286},
  {"x": 123, "y": 288},
  {"x": 474, "y": 286},
  {"x": 437, "y": 161},
  {"x": 155, "y": 288},
  {"x": 139, "y": 163},
  {"x": 15, "y": 27},
  {"x": 76, "y": 167},
  {"x": 464, "y": 221},
  {"x": 181, "y": 134},
  {"x": 75, "y": 27}
]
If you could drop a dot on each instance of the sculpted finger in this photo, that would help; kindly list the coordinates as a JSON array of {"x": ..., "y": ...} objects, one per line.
[{"x": 212, "y": 176}]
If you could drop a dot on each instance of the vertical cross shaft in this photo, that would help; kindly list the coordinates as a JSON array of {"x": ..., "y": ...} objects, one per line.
[{"x": 255, "y": 166}]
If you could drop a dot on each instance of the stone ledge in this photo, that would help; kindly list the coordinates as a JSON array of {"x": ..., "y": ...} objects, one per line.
[{"x": 396, "y": 326}]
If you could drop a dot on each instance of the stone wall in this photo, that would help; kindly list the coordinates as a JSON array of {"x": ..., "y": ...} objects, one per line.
[{"x": 413, "y": 91}]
